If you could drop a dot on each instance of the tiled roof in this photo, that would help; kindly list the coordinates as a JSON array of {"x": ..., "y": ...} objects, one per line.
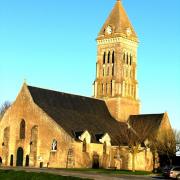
[{"x": 146, "y": 125}]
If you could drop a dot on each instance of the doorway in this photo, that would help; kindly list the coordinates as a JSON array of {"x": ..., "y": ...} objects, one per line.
[
  {"x": 20, "y": 153},
  {"x": 27, "y": 160},
  {"x": 95, "y": 164},
  {"x": 11, "y": 160},
  {"x": 0, "y": 160}
]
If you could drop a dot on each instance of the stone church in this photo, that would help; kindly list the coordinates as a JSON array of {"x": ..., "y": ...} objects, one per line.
[{"x": 46, "y": 128}]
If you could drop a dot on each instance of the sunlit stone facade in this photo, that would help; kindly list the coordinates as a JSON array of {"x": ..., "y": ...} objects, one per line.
[{"x": 45, "y": 128}]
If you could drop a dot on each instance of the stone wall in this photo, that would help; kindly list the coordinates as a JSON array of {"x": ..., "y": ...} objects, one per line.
[
  {"x": 38, "y": 150},
  {"x": 122, "y": 108},
  {"x": 41, "y": 131},
  {"x": 122, "y": 159},
  {"x": 116, "y": 76}
]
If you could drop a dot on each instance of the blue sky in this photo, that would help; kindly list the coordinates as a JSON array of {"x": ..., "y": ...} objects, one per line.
[{"x": 52, "y": 45}]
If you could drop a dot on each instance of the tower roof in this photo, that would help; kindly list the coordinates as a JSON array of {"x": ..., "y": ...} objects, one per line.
[{"x": 120, "y": 24}]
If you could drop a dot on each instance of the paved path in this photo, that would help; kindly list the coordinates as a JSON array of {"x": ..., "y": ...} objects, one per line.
[{"x": 90, "y": 175}]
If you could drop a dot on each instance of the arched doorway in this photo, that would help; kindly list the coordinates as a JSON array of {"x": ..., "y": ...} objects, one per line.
[
  {"x": 0, "y": 160},
  {"x": 11, "y": 160},
  {"x": 19, "y": 160},
  {"x": 27, "y": 160},
  {"x": 95, "y": 164}
]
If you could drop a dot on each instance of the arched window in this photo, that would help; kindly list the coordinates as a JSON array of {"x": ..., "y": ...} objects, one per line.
[
  {"x": 109, "y": 57},
  {"x": 113, "y": 69},
  {"x": 113, "y": 57},
  {"x": 130, "y": 60},
  {"x": 102, "y": 89},
  {"x": 103, "y": 71},
  {"x": 108, "y": 71},
  {"x": 84, "y": 148},
  {"x": 127, "y": 59},
  {"x": 54, "y": 145},
  {"x": 106, "y": 89},
  {"x": 124, "y": 58},
  {"x": 22, "y": 129},
  {"x": 104, "y": 58},
  {"x": 104, "y": 148}
]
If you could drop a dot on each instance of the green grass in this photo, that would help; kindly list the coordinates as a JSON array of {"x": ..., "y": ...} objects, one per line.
[
  {"x": 22, "y": 175},
  {"x": 110, "y": 171}
]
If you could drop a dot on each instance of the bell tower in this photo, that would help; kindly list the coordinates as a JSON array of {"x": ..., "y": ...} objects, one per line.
[{"x": 116, "y": 67}]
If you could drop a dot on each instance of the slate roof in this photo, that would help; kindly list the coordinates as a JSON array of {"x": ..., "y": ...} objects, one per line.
[
  {"x": 119, "y": 21},
  {"x": 146, "y": 125},
  {"x": 75, "y": 114}
]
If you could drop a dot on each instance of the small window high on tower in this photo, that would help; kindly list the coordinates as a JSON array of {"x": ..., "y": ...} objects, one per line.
[
  {"x": 109, "y": 54},
  {"x": 113, "y": 57},
  {"x": 104, "y": 58}
]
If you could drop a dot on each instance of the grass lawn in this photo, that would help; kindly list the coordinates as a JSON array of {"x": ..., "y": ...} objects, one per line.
[
  {"x": 22, "y": 175},
  {"x": 110, "y": 171}
]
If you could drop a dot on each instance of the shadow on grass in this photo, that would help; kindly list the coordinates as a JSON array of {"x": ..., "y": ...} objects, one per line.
[
  {"x": 22, "y": 175},
  {"x": 160, "y": 177},
  {"x": 110, "y": 171}
]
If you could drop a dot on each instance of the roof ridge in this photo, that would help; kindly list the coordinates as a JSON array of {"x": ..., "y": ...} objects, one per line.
[
  {"x": 149, "y": 114},
  {"x": 65, "y": 93}
]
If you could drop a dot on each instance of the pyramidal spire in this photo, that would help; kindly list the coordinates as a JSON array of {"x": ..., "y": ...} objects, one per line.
[{"x": 118, "y": 24}]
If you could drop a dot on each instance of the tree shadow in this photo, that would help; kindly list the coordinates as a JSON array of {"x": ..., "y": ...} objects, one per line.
[{"x": 160, "y": 177}]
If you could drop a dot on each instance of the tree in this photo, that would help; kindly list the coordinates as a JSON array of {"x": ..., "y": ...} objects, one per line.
[
  {"x": 144, "y": 134},
  {"x": 137, "y": 142},
  {"x": 4, "y": 108},
  {"x": 165, "y": 145}
]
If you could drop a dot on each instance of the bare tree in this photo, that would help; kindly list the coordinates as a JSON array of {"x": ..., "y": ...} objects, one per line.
[
  {"x": 137, "y": 142},
  {"x": 4, "y": 108},
  {"x": 141, "y": 135},
  {"x": 165, "y": 145}
]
